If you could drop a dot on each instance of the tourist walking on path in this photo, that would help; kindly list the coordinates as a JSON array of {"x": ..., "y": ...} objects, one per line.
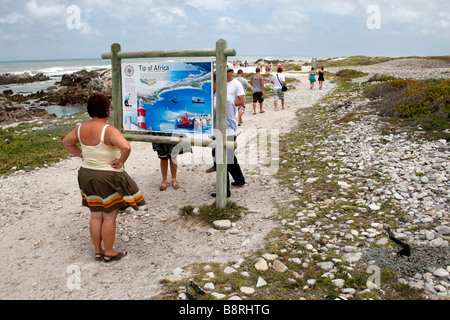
[
  {"x": 312, "y": 78},
  {"x": 321, "y": 78},
  {"x": 105, "y": 186},
  {"x": 257, "y": 83},
  {"x": 278, "y": 81},
  {"x": 246, "y": 86}
]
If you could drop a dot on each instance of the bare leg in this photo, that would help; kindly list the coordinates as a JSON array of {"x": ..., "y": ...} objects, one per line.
[
  {"x": 95, "y": 229},
  {"x": 109, "y": 231},
  {"x": 173, "y": 171},
  {"x": 164, "y": 168}
]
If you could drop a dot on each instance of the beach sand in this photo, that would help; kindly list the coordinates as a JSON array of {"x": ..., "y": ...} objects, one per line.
[{"x": 46, "y": 250}]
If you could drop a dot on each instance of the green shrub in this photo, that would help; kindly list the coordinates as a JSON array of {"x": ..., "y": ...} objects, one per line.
[
  {"x": 424, "y": 103},
  {"x": 348, "y": 74},
  {"x": 381, "y": 78}
]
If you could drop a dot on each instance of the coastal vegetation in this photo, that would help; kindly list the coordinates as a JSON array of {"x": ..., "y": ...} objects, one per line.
[
  {"x": 420, "y": 104},
  {"x": 349, "y": 74},
  {"x": 35, "y": 144}
]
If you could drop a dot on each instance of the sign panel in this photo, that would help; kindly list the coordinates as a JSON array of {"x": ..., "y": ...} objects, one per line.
[{"x": 167, "y": 97}]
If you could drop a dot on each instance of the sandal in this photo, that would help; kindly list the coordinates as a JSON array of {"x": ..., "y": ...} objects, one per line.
[
  {"x": 117, "y": 257},
  {"x": 163, "y": 186},
  {"x": 175, "y": 184},
  {"x": 99, "y": 256}
]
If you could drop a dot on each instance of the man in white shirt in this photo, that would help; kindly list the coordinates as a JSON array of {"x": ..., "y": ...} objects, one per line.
[
  {"x": 246, "y": 86},
  {"x": 278, "y": 80},
  {"x": 233, "y": 167},
  {"x": 235, "y": 91},
  {"x": 235, "y": 94}
]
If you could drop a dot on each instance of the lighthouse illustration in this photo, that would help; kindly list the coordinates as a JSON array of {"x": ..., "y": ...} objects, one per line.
[{"x": 141, "y": 115}]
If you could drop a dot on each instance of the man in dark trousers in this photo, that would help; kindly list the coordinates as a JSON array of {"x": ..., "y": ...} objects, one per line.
[{"x": 233, "y": 166}]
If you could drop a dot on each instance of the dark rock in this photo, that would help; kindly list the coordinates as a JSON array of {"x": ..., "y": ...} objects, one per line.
[
  {"x": 10, "y": 112},
  {"x": 9, "y": 78}
]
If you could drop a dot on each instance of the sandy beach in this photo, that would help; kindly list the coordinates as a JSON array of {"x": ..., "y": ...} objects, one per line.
[{"x": 44, "y": 229}]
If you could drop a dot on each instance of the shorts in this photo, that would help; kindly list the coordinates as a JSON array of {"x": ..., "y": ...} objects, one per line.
[
  {"x": 241, "y": 109},
  {"x": 278, "y": 94},
  {"x": 258, "y": 97}
]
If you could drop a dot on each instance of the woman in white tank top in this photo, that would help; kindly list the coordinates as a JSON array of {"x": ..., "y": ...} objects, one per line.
[{"x": 105, "y": 186}]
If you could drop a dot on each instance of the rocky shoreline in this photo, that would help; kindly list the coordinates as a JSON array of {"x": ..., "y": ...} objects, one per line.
[
  {"x": 9, "y": 78},
  {"x": 73, "y": 89}
]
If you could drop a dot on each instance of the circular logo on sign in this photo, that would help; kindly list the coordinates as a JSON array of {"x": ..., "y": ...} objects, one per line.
[{"x": 129, "y": 71}]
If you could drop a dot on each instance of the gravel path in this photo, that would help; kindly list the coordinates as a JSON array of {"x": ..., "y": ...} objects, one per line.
[{"x": 45, "y": 244}]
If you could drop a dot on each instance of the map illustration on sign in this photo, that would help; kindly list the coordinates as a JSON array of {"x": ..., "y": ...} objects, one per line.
[{"x": 167, "y": 97}]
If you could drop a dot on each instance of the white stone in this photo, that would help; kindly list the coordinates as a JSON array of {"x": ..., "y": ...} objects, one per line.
[
  {"x": 247, "y": 290},
  {"x": 326, "y": 265},
  {"x": 209, "y": 286},
  {"x": 352, "y": 257},
  {"x": 218, "y": 295},
  {"x": 344, "y": 185},
  {"x": 442, "y": 273},
  {"x": 222, "y": 224},
  {"x": 338, "y": 283},
  {"x": 279, "y": 266},
  {"x": 444, "y": 230},
  {"x": 311, "y": 282},
  {"x": 261, "y": 265},
  {"x": 261, "y": 282},
  {"x": 269, "y": 256},
  {"x": 229, "y": 270}
]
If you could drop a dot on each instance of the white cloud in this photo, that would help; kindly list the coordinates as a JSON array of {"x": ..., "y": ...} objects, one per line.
[
  {"x": 282, "y": 26},
  {"x": 208, "y": 5},
  {"x": 45, "y": 11},
  {"x": 12, "y": 18}
]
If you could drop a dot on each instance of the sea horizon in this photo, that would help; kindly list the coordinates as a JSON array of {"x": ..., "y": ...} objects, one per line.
[{"x": 59, "y": 67}]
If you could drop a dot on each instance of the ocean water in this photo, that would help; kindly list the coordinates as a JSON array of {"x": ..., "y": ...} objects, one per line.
[{"x": 55, "y": 69}]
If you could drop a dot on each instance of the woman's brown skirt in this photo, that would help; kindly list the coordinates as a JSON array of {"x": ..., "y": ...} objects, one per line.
[{"x": 108, "y": 190}]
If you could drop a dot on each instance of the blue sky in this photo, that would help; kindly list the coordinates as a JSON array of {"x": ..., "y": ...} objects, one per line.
[{"x": 66, "y": 29}]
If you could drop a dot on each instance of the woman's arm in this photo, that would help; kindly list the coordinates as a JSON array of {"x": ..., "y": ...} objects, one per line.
[
  {"x": 70, "y": 143},
  {"x": 115, "y": 138}
]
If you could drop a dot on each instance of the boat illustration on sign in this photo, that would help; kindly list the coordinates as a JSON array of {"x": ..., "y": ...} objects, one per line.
[
  {"x": 197, "y": 100},
  {"x": 186, "y": 123}
]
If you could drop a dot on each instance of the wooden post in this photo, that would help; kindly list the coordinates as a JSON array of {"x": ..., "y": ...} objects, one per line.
[
  {"x": 116, "y": 73},
  {"x": 221, "y": 144},
  {"x": 221, "y": 121}
]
